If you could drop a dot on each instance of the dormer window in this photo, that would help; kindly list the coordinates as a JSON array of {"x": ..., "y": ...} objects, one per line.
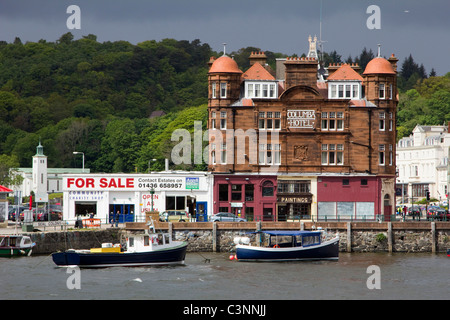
[
  {"x": 348, "y": 90},
  {"x": 261, "y": 90},
  {"x": 345, "y": 83}
]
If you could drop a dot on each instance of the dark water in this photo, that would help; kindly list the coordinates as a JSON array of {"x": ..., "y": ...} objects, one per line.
[{"x": 402, "y": 276}]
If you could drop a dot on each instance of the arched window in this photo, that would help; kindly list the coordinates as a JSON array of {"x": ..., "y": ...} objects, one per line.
[{"x": 267, "y": 189}]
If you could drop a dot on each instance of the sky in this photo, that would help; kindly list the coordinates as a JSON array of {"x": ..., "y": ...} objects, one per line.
[{"x": 417, "y": 27}]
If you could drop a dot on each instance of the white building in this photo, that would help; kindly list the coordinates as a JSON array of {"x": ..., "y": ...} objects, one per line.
[
  {"x": 40, "y": 179},
  {"x": 135, "y": 194},
  {"x": 422, "y": 163}
]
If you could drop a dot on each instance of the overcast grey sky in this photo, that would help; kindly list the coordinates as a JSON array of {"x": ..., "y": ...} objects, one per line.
[{"x": 417, "y": 27}]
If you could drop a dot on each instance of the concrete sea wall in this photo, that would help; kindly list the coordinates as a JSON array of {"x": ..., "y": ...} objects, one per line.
[{"x": 218, "y": 237}]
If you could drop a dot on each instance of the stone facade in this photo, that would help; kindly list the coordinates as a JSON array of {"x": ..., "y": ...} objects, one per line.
[{"x": 364, "y": 237}]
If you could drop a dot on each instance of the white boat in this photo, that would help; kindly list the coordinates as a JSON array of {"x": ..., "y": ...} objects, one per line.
[
  {"x": 141, "y": 249},
  {"x": 15, "y": 245}
]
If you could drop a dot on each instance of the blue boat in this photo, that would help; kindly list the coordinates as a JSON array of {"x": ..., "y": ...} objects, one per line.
[
  {"x": 289, "y": 246},
  {"x": 147, "y": 249}
]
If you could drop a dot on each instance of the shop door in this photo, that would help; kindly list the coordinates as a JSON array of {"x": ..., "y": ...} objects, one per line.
[
  {"x": 387, "y": 208},
  {"x": 268, "y": 214},
  {"x": 282, "y": 213},
  {"x": 201, "y": 213},
  {"x": 126, "y": 212}
]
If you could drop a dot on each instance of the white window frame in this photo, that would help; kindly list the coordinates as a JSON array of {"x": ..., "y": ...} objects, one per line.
[
  {"x": 344, "y": 90},
  {"x": 223, "y": 153},
  {"x": 381, "y": 155},
  {"x": 261, "y": 89},
  {"x": 223, "y": 90},
  {"x": 223, "y": 120},
  {"x": 213, "y": 153},
  {"x": 332, "y": 154},
  {"x": 382, "y": 91},
  {"x": 382, "y": 122},
  {"x": 213, "y": 90}
]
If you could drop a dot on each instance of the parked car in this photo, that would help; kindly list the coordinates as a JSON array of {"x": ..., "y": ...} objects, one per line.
[
  {"x": 226, "y": 216},
  {"x": 415, "y": 212},
  {"x": 12, "y": 212},
  {"x": 174, "y": 216},
  {"x": 55, "y": 215},
  {"x": 438, "y": 214}
]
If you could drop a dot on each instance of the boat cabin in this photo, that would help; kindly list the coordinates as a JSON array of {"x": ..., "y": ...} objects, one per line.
[
  {"x": 14, "y": 241},
  {"x": 146, "y": 242},
  {"x": 287, "y": 239}
]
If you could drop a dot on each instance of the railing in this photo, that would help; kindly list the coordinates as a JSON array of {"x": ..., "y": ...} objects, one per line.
[{"x": 387, "y": 218}]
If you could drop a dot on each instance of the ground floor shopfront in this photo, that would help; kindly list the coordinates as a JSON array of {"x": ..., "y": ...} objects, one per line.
[
  {"x": 255, "y": 197},
  {"x": 355, "y": 197},
  {"x": 130, "y": 196},
  {"x": 296, "y": 197},
  {"x": 251, "y": 196}
]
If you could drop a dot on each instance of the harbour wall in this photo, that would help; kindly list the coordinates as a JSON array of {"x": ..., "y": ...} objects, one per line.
[{"x": 218, "y": 237}]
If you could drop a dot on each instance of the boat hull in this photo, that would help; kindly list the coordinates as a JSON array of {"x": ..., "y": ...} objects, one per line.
[
  {"x": 13, "y": 252},
  {"x": 167, "y": 256},
  {"x": 328, "y": 250}
]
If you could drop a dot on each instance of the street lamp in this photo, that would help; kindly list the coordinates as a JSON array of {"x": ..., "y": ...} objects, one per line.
[
  {"x": 82, "y": 153},
  {"x": 150, "y": 164}
]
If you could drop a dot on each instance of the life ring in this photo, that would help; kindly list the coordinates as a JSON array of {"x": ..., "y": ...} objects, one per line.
[{"x": 276, "y": 246}]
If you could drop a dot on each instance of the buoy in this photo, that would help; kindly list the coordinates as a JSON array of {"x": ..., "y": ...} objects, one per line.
[
  {"x": 231, "y": 257},
  {"x": 235, "y": 257}
]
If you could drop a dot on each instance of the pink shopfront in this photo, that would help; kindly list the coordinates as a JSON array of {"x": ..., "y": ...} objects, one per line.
[
  {"x": 357, "y": 197},
  {"x": 253, "y": 197}
]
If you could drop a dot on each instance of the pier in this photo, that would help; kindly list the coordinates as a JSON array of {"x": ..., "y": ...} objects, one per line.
[{"x": 433, "y": 237}]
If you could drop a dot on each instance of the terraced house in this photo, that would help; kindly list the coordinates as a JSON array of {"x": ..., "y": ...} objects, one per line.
[{"x": 302, "y": 141}]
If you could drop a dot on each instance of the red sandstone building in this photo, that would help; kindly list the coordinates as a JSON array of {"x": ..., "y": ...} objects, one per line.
[{"x": 299, "y": 143}]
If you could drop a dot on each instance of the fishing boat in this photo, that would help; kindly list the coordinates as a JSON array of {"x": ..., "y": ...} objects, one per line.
[
  {"x": 140, "y": 249},
  {"x": 288, "y": 246},
  {"x": 15, "y": 245}
]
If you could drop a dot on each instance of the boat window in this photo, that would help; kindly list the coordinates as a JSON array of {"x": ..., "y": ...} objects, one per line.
[
  {"x": 131, "y": 241},
  {"x": 298, "y": 241},
  {"x": 146, "y": 241},
  {"x": 166, "y": 238},
  {"x": 310, "y": 240},
  {"x": 27, "y": 241},
  {"x": 160, "y": 239},
  {"x": 3, "y": 242},
  {"x": 12, "y": 242}
]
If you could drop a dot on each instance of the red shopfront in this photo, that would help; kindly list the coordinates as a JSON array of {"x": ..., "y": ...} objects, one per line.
[
  {"x": 349, "y": 198},
  {"x": 253, "y": 197}
]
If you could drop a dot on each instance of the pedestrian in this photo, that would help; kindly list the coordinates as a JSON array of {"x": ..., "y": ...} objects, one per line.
[
  {"x": 117, "y": 218},
  {"x": 111, "y": 219}
]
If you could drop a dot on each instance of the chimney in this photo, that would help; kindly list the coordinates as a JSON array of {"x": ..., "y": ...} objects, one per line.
[
  {"x": 301, "y": 71},
  {"x": 259, "y": 57},
  {"x": 393, "y": 60},
  {"x": 211, "y": 61}
]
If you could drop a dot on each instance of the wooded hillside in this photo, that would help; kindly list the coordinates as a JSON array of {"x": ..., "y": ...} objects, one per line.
[{"x": 97, "y": 98}]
